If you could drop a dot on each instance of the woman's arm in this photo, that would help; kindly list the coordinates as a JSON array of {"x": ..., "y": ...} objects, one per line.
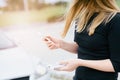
[
  {"x": 70, "y": 47},
  {"x": 54, "y": 43},
  {"x": 101, "y": 65}
]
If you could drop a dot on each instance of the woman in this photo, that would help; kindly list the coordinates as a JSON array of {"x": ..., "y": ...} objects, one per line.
[{"x": 96, "y": 41}]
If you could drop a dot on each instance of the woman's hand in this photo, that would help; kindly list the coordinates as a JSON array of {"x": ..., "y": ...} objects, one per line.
[
  {"x": 101, "y": 65},
  {"x": 52, "y": 43},
  {"x": 69, "y": 65}
]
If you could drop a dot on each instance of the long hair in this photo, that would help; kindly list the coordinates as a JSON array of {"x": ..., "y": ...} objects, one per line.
[{"x": 84, "y": 9}]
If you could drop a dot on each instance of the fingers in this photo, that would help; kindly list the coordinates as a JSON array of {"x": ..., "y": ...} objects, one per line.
[
  {"x": 50, "y": 44},
  {"x": 50, "y": 41},
  {"x": 47, "y": 38},
  {"x": 59, "y": 69},
  {"x": 62, "y": 66},
  {"x": 66, "y": 66}
]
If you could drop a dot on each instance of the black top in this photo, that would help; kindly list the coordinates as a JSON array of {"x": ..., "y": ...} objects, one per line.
[{"x": 103, "y": 44}]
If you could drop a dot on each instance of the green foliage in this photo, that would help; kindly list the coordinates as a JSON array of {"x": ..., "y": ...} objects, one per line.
[{"x": 118, "y": 2}]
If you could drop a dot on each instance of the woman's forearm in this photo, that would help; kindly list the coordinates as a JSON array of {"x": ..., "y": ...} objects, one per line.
[
  {"x": 70, "y": 47},
  {"x": 102, "y": 65}
]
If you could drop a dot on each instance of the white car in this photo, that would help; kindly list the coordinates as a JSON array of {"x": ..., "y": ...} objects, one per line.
[{"x": 15, "y": 63}]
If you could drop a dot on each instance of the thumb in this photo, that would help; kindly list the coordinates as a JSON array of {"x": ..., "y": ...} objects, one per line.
[{"x": 47, "y": 38}]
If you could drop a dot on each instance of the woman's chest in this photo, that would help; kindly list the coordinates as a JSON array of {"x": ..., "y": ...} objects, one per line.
[{"x": 96, "y": 41}]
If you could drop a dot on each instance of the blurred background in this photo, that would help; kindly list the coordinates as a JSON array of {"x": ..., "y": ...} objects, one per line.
[
  {"x": 30, "y": 11},
  {"x": 25, "y": 22}
]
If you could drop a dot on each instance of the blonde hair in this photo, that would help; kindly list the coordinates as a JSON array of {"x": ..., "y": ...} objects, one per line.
[{"x": 84, "y": 9}]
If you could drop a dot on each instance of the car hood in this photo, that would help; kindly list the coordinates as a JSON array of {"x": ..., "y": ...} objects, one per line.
[{"x": 15, "y": 63}]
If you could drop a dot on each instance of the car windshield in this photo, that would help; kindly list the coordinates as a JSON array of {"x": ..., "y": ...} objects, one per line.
[{"x": 5, "y": 42}]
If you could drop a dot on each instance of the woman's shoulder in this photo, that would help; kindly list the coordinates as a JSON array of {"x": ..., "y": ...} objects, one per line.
[
  {"x": 116, "y": 18},
  {"x": 115, "y": 22},
  {"x": 117, "y": 14}
]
